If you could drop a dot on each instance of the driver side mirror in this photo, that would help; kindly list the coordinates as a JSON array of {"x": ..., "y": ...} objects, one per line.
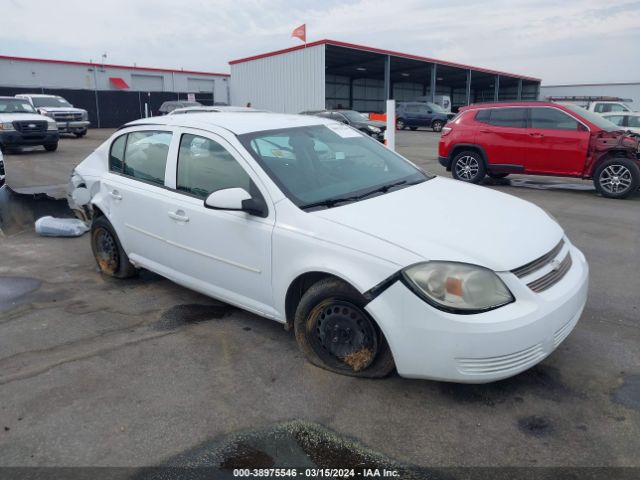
[{"x": 236, "y": 199}]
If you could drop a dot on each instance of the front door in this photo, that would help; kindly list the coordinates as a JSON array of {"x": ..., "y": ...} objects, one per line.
[
  {"x": 558, "y": 143},
  {"x": 226, "y": 254}
]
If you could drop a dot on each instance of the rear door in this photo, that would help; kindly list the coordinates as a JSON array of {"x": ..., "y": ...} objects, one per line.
[
  {"x": 558, "y": 143},
  {"x": 134, "y": 190},
  {"x": 503, "y": 135}
]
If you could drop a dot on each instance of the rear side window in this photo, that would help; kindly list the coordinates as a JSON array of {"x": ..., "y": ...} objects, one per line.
[
  {"x": 633, "y": 121},
  {"x": 508, "y": 117},
  {"x": 116, "y": 154},
  {"x": 617, "y": 119},
  {"x": 483, "y": 116},
  {"x": 204, "y": 166},
  {"x": 552, "y": 119},
  {"x": 142, "y": 155}
]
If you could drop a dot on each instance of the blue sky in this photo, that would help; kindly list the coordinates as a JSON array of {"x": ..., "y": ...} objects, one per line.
[{"x": 558, "y": 41}]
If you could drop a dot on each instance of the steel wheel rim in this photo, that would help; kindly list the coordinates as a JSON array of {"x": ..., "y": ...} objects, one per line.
[
  {"x": 437, "y": 126},
  {"x": 616, "y": 179},
  {"x": 107, "y": 254},
  {"x": 400, "y": 125},
  {"x": 467, "y": 167},
  {"x": 343, "y": 336}
]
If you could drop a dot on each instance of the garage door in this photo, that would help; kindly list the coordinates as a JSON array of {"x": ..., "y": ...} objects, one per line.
[
  {"x": 199, "y": 85},
  {"x": 148, "y": 83}
]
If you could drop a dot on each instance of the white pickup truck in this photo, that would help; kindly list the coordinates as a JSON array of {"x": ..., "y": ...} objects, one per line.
[
  {"x": 595, "y": 104},
  {"x": 69, "y": 119}
]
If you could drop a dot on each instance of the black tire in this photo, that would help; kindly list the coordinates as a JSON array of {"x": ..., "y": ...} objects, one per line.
[
  {"x": 617, "y": 178},
  {"x": 51, "y": 147},
  {"x": 107, "y": 250},
  {"x": 413, "y": 129},
  {"x": 400, "y": 125},
  {"x": 437, "y": 125},
  {"x": 468, "y": 166},
  {"x": 357, "y": 347},
  {"x": 80, "y": 134},
  {"x": 497, "y": 176}
]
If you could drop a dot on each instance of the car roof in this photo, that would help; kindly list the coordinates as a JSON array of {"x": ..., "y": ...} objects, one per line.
[
  {"x": 476, "y": 106},
  {"x": 217, "y": 108},
  {"x": 37, "y": 95},
  {"x": 629, "y": 114},
  {"x": 236, "y": 122}
]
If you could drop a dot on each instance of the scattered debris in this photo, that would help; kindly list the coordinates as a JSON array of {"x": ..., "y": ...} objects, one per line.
[
  {"x": 60, "y": 227},
  {"x": 358, "y": 360}
]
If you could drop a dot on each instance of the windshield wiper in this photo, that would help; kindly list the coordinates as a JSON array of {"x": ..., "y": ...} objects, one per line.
[{"x": 332, "y": 202}]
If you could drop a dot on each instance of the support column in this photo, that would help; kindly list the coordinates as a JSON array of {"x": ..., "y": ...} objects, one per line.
[
  {"x": 387, "y": 78},
  {"x": 351, "y": 93},
  {"x": 468, "y": 87},
  {"x": 519, "y": 89},
  {"x": 496, "y": 88},
  {"x": 434, "y": 69}
]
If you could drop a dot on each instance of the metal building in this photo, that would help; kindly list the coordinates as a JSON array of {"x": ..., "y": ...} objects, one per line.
[
  {"x": 112, "y": 94},
  {"x": 629, "y": 92},
  {"x": 332, "y": 74}
]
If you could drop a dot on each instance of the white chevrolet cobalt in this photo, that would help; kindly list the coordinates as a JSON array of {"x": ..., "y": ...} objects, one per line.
[{"x": 375, "y": 264}]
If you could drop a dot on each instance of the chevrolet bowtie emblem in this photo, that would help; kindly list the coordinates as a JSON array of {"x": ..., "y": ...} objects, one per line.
[{"x": 555, "y": 264}]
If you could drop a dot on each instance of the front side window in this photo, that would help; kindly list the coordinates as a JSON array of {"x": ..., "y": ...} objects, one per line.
[
  {"x": 552, "y": 119},
  {"x": 11, "y": 105},
  {"x": 141, "y": 155},
  {"x": 204, "y": 166},
  {"x": 508, "y": 117},
  {"x": 50, "y": 102},
  {"x": 329, "y": 164}
]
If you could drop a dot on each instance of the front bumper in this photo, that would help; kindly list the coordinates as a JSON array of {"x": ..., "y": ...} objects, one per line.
[
  {"x": 73, "y": 127},
  {"x": 431, "y": 344},
  {"x": 13, "y": 138},
  {"x": 444, "y": 161}
]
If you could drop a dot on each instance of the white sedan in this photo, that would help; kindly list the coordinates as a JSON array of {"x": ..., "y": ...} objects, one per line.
[{"x": 374, "y": 263}]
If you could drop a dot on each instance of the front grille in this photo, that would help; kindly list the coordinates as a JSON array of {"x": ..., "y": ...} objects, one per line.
[
  {"x": 28, "y": 127},
  {"x": 502, "y": 363},
  {"x": 553, "y": 277},
  {"x": 539, "y": 263},
  {"x": 67, "y": 117}
]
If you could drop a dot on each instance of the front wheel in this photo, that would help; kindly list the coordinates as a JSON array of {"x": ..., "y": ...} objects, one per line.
[
  {"x": 617, "y": 178},
  {"x": 437, "y": 125},
  {"x": 51, "y": 147},
  {"x": 80, "y": 134},
  {"x": 335, "y": 332},
  {"x": 497, "y": 176},
  {"x": 468, "y": 166},
  {"x": 111, "y": 258},
  {"x": 400, "y": 125}
]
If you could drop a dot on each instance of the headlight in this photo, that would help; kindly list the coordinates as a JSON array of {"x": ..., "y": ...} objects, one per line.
[
  {"x": 85, "y": 115},
  {"x": 6, "y": 126},
  {"x": 52, "y": 126},
  {"x": 457, "y": 287},
  {"x": 46, "y": 114},
  {"x": 373, "y": 129}
]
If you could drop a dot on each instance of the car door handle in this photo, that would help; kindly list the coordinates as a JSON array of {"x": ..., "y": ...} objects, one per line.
[
  {"x": 482, "y": 130},
  {"x": 536, "y": 135},
  {"x": 179, "y": 216},
  {"x": 115, "y": 194}
]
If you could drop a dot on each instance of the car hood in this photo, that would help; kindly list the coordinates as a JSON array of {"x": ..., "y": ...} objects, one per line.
[
  {"x": 444, "y": 219},
  {"x": 62, "y": 109},
  {"x": 12, "y": 117}
]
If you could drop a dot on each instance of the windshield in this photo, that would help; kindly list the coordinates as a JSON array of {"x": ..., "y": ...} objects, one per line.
[
  {"x": 11, "y": 105},
  {"x": 436, "y": 108},
  {"x": 594, "y": 118},
  {"x": 50, "y": 102},
  {"x": 354, "y": 116},
  {"x": 328, "y": 163}
]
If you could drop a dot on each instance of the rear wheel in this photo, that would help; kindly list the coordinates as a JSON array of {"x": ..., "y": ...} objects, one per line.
[
  {"x": 335, "y": 332},
  {"x": 51, "y": 147},
  {"x": 400, "y": 124},
  {"x": 437, "y": 125},
  {"x": 111, "y": 258},
  {"x": 617, "y": 178},
  {"x": 468, "y": 166},
  {"x": 80, "y": 134}
]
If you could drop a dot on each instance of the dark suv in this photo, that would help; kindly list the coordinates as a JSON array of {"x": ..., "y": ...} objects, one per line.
[
  {"x": 540, "y": 138},
  {"x": 355, "y": 119},
  {"x": 421, "y": 114}
]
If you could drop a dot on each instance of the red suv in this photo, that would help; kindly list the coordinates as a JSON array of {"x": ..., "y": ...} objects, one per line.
[{"x": 540, "y": 138}]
